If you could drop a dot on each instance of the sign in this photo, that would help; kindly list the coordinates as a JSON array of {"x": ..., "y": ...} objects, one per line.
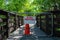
[{"x": 29, "y": 20}]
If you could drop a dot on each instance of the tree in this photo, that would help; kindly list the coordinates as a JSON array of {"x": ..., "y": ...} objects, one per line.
[{"x": 35, "y": 6}]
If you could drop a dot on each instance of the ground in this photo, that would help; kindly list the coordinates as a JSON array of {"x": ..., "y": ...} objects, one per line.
[{"x": 36, "y": 34}]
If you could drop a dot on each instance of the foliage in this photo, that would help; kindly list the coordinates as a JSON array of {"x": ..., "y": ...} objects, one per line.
[
  {"x": 2, "y": 16},
  {"x": 33, "y": 6}
]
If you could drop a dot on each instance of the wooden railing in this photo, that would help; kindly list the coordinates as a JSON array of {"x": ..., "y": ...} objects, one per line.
[
  {"x": 49, "y": 22},
  {"x": 8, "y": 23}
]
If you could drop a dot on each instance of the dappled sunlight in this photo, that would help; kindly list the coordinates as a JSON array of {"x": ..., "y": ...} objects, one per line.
[
  {"x": 17, "y": 37},
  {"x": 30, "y": 1},
  {"x": 29, "y": 19}
]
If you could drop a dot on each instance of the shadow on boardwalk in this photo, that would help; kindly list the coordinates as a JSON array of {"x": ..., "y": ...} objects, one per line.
[{"x": 28, "y": 37}]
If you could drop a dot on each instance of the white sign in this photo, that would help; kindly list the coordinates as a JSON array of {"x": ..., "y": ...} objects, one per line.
[{"x": 29, "y": 20}]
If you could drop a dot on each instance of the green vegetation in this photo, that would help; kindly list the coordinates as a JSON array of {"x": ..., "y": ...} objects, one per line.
[
  {"x": 43, "y": 17},
  {"x": 12, "y": 17},
  {"x": 2, "y": 16},
  {"x": 35, "y": 6},
  {"x": 57, "y": 29},
  {"x": 2, "y": 23}
]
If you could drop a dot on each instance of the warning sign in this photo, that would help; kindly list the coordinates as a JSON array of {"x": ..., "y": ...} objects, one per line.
[{"x": 29, "y": 20}]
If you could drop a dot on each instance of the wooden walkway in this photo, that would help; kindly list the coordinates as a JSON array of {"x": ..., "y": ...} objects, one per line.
[{"x": 36, "y": 34}]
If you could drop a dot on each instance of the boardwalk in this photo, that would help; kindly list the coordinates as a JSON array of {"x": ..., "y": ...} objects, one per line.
[{"x": 36, "y": 34}]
